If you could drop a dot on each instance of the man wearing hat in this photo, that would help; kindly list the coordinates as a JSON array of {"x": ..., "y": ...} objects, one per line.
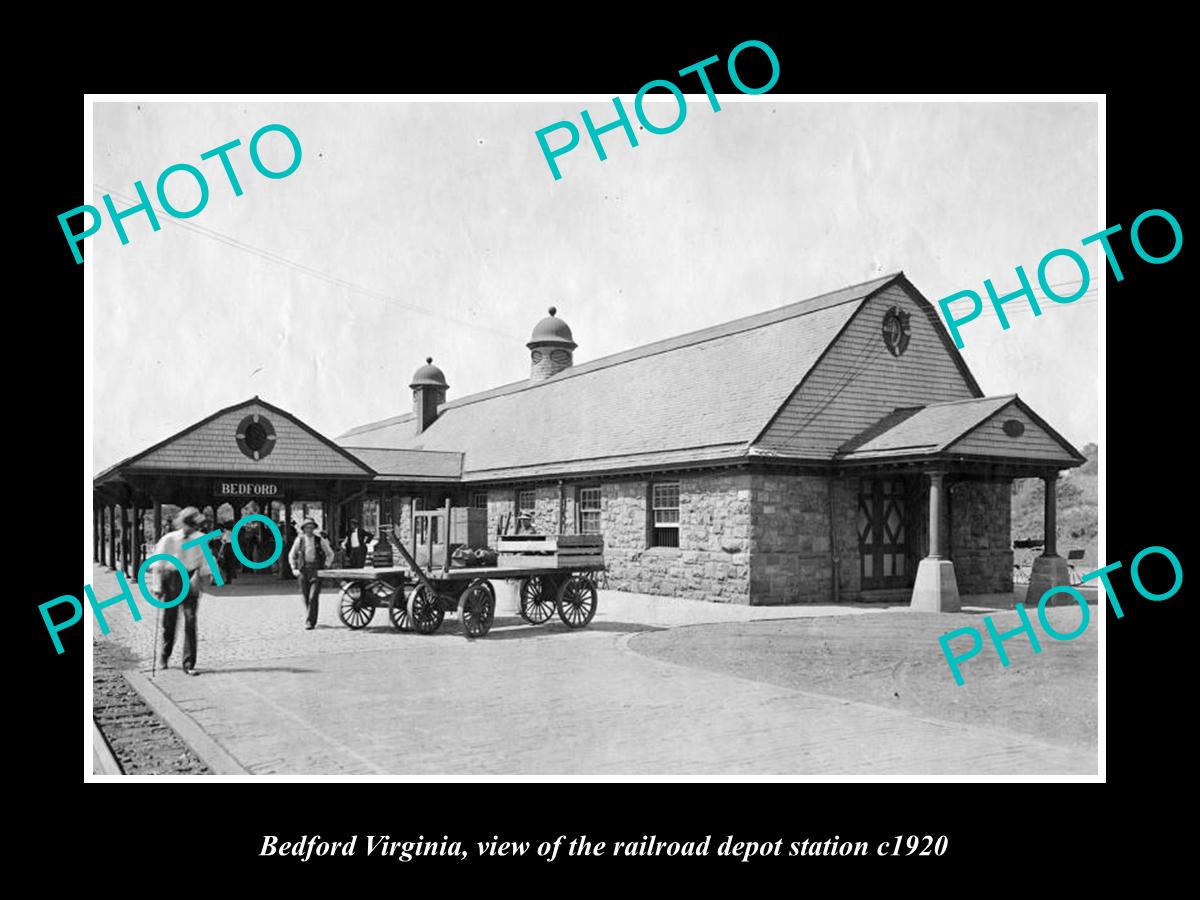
[
  {"x": 355, "y": 545},
  {"x": 309, "y": 553},
  {"x": 189, "y": 524}
]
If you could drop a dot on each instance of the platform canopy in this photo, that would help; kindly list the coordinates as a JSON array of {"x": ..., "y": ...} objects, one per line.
[{"x": 999, "y": 432}]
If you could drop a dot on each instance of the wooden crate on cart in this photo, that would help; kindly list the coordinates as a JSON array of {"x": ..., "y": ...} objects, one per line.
[
  {"x": 550, "y": 551},
  {"x": 556, "y": 573}
]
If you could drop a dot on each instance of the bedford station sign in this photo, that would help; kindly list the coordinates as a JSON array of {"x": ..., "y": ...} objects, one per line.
[{"x": 246, "y": 489}]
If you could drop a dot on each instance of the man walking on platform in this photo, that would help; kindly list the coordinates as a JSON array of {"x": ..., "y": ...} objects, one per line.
[
  {"x": 309, "y": 553},
  {"x": 188, "y": 525}
]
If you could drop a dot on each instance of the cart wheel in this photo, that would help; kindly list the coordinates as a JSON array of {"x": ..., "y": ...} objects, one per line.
[
  {"x": 537, "y": 599},
  {"x": 577, "y": 601},
  {"x": 425, "y": 613},
  {"x": 398, "y": 610},
  {"x": 478, "y": 608},
  {"x": 357, "y": 607}
]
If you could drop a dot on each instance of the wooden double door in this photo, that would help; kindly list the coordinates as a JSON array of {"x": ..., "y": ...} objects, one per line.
[{"x": 884, "y": 533}]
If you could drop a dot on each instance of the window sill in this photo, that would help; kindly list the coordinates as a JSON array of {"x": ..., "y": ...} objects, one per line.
[{"x": 663, "y": 551}]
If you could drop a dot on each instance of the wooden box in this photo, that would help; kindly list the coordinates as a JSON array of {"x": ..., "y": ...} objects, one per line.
[{"x": 550, "y": 551}]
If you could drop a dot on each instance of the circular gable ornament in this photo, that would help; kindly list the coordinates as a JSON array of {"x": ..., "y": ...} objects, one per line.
[
  {"x": 896, "y": 330},
  {"x": 1014, "y": 428},
  {"x": 256, "y": 436}
]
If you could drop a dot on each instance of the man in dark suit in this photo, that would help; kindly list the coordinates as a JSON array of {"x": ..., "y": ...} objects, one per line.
[
  {"x": 289, "y": 538},
  {"x": 355, "y": 545}
]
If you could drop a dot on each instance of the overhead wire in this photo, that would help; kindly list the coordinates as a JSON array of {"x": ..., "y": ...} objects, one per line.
[{"x": 327, "y": 277}]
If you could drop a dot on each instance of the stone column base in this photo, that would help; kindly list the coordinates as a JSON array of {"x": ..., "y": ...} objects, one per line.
[
  {"x": 936, "y": 588},
  {"x": 1048, "y": 572}
]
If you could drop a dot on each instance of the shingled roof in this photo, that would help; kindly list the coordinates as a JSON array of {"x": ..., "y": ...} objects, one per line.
[
  {"x": 208, "y": 446},
  {"x": 963, "y": 428},
  {"x": 410, "y": 465},
  {"x": 922, "y": 429},
  {"x": 683, "y": 400}
]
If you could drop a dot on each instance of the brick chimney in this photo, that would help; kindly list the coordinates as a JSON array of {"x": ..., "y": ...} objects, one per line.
[
  {"x": 429, "y": 391},
  {"x": 550, "y": 348}
]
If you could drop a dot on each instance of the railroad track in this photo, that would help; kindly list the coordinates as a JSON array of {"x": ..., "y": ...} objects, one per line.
[
  {"x": 127, "y": 734},
  {"x": 103, "y": 760}
]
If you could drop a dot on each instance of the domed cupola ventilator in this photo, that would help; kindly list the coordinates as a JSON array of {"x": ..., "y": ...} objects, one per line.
[
  {"x": 550, "y": 347},
  {"x": 429, "y": 391}
]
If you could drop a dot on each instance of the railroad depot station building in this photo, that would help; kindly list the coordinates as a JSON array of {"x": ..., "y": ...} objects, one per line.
[{"x": 830, "y": 450}]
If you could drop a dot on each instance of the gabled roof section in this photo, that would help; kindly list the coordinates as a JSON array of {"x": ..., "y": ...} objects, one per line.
[
  {"x": 715, "y": 387},
  {"x": 411, "y": 465},
  {"x": 858, "y": 379},
  {"x": 210, "y": 445},
  {"x": 999, "y": 427},
  {"x": 942, "y": 333},
  {"x": 345, "y": 437},
  {"x": 853, "y": 293},
  {"x": 922, "y": 429},
  {"x": 1037, "y": 439}
]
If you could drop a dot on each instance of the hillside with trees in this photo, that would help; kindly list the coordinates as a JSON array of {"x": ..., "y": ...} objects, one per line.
[{"x": 1078, "y": 511}]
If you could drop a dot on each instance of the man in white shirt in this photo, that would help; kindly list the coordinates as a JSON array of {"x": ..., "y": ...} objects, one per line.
[
  {"x": 309, "y": 553},
  {"x": 169, "y": 584}
]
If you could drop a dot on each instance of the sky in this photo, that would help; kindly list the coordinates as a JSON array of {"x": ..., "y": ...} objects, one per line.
[{"x": 415, "y": 229}]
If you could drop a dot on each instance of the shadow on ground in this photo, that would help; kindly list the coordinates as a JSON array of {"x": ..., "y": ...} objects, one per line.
[
  {"x": 514, "y": 628},
  {"x": 896, "y": 661},
  {"x": 291, "y": 670}
]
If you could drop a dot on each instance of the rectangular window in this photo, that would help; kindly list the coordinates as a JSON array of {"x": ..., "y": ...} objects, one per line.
[
  {"x": 526, "y": 504},
  {"x": 419, "y": 524},
  {"x": 589, "y": 510},
  {"x": 664, "y": 509},
  {"x": 479, "y": 500},
  {"x": 370, "y": 516}
]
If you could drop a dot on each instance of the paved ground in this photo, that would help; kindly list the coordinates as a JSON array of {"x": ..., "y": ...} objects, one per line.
[
  {"x": 896, "y": 662},
  {"x": 528, "y": 700},
  {"x": 259, "y": 618}
]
